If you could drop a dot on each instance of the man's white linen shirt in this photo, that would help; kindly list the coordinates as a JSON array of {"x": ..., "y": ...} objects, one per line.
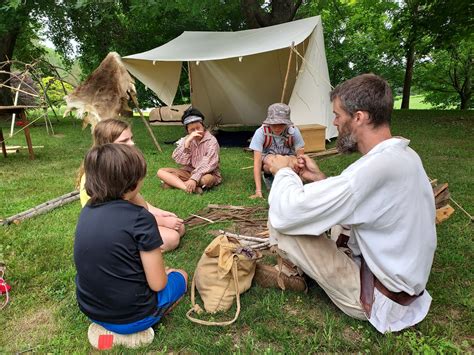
[{"x": 387, "y": 199}]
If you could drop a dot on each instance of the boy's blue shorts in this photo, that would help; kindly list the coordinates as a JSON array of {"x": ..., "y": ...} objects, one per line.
[{"x": 175, "y": 288}]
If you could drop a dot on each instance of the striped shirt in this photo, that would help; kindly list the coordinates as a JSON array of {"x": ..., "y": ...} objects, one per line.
[{"x": 201, "y": 158}]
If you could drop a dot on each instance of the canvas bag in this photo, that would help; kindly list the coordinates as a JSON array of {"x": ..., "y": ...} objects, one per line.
[{"x": 224, "y": 267}]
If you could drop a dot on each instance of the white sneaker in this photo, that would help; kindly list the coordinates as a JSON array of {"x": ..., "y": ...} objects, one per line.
[{"x": 103, "y": 339}]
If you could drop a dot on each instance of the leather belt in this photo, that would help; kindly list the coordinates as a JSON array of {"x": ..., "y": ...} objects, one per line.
[{"x": 367, "y": 284}]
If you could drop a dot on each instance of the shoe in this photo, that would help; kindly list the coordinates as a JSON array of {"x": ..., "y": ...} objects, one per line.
[
  {"x": 103, "y": 339},
  {"x": 287, "y": 279}
]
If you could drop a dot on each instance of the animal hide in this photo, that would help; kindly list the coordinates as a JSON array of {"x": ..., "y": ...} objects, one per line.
[{"x": 104, "y": 94}]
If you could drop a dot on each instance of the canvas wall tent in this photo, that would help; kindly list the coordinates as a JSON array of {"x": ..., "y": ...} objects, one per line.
[{"x": 235, "y": 76}]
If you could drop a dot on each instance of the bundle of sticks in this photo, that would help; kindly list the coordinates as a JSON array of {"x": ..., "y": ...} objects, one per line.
[
  {"x": 258, "y": 242},
  {"x": 253, "y": 218}
]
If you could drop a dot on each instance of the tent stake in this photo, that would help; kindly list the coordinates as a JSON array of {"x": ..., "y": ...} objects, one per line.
[
  {"x": 147, "y": 124},
  {"x": 287, "y": 72}
]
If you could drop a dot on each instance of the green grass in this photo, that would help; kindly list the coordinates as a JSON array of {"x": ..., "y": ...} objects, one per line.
[
  {"x": 43, "y": 314},
  {"x": 416, "y": 103}
]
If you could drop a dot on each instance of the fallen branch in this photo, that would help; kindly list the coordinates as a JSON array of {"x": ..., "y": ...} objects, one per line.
[{"x": 42, "y": 208}]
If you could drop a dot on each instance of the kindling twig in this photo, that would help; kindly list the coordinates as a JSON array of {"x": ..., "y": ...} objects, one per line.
[{"x": 203, "y": 218}]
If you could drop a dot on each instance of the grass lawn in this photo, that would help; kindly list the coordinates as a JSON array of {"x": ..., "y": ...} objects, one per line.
[
  {"x": 43, "y": 315},
  {"x": 415, "y": 103}
]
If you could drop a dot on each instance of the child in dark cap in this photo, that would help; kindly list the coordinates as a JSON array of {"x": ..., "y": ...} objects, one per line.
[{"x": 198, "y": 155}]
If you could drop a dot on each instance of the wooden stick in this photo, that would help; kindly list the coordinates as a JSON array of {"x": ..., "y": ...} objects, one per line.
[
  {"x": 287, "y": 72},
  {"x": 331, "y": 151},
  {"x": 43, "y": 208},
  {"x": 225, "y": 207},
  {"x": 261, "y": 245},
  {"x": 247, "y": 167},
  {"x": 147, "y": 124},
  {"x": 462, "y": 209},
  {"x": 22, "y": 91},
  {"x": 244, "y": 237},
  {"x": 203, "y": 218}
]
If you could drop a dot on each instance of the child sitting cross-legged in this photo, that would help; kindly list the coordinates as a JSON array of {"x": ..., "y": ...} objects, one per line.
[
  {"x": 276, "y": 136},
  {"x": 122, "y": 284}
]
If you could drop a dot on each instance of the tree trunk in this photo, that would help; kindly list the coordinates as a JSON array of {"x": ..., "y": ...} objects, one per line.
[
  {"x": 466, "y": 92},
  {"x": 408, "y": 76},
  {"x": 281, "y": 11},
  {"x": 7, "y": 45}
]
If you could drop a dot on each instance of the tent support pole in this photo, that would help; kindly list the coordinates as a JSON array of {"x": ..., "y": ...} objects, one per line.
[
  {"x": 190, "y": 83},
  {"x": 287, "y": 72},
  {"x": 147, "y": 124}
]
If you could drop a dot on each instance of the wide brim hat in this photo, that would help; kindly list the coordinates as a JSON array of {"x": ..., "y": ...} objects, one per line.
[{"x": 278, "y": 113}]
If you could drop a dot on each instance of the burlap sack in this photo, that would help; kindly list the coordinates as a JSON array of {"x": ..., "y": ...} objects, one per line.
[{"x": 224, "y": 267}]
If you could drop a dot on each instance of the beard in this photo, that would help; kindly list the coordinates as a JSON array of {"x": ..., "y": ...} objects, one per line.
[{"x": 346, "y": 142}]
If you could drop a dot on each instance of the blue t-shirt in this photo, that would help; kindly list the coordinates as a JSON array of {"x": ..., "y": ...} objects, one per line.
[
  {"x": 111, "y": 284},
  {"x": 278, "y": 145}
]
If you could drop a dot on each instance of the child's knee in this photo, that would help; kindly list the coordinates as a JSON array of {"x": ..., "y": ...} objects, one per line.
[{"x": 170, "y": 240}]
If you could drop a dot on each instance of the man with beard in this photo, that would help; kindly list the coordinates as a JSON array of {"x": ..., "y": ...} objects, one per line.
[{"x": 379, "y": 267}]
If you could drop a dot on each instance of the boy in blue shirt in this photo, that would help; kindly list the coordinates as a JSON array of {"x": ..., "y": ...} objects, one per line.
[{"x": 276, "y": 136}]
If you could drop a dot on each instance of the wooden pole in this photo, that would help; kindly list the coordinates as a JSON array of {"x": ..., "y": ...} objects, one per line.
[
  {"x": 287, "y": 72},
  {"x": 43, "y": 208},
  {"x": 190, "y": 82},
  {"x": 147, "y": 124}
]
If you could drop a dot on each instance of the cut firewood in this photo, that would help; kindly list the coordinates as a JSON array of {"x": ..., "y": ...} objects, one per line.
[
  {"x": 439, "y": 189},
  {"x": 443, "y": 213}
]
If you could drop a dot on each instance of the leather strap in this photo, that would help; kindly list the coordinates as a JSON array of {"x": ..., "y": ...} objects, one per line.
[
  {"x": 198, "y": 310},
  {"x": 367, "y": 284},
  {"x": 367, "y": 281}
]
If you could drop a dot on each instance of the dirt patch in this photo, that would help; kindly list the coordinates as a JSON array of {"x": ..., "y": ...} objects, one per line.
[
  {"x": 30, "y": 329},
  {"x": 351, "y": 335}
]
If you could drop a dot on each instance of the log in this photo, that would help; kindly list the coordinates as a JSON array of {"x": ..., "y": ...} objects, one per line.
[{"x": 43, "y": 208}]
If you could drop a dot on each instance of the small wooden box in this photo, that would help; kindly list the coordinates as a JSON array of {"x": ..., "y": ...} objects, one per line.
[{"x": 314, "y": 136}]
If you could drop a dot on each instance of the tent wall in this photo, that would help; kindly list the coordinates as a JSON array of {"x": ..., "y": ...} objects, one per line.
[
  {"x": 232, "y": 92},
  {"x": 161, "y": 77},
  {"x": 310, "y": 101}
]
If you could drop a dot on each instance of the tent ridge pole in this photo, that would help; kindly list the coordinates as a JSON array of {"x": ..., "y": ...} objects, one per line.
[{"x": 287, "y": 72}]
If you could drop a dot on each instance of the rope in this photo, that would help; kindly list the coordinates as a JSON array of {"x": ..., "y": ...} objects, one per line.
[{"x": 311, "y": 67}]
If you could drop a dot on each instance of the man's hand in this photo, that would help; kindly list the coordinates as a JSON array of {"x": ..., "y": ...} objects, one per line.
[
  {"x": 190, "y": 185},
  {"x": 308, "y": 169},
  {"x": 276, "y": 162},
  {"x": 191, "y": 137}
]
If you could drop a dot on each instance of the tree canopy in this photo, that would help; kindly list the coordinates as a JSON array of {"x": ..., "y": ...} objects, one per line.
[{"x": 404, "y": 41}]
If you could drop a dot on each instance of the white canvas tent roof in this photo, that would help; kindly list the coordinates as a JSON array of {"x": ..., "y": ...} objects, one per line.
[{"x": 235, "y": 76}]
